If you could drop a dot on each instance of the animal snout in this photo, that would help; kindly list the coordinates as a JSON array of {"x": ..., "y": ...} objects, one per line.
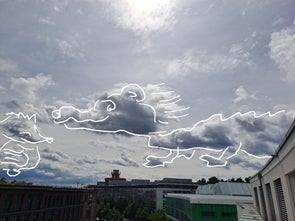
[{"x": 49, "y": 140}]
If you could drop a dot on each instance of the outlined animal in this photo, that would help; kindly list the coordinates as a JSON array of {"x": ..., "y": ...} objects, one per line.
[
  {"x": 222, "y": 138},
  {"x": 20, "y": 150},
  {"x": 124, "y": 112}
]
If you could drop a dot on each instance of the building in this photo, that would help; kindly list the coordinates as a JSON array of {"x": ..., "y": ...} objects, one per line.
[
  {"x": 274, "y": 185},
  {"x": 43, "y": 203},
  {"x": 115, "y": 179},
  {"x": 195, "y": 207},
  {"x": 225, "y": 188},
  {"x": 221, "y": 201},
  {"x": 152, "y": 194}
]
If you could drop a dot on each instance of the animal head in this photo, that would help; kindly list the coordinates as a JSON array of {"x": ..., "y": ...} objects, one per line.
[
  {"x": 22, "y": 128},
  {"x": 130, "y": 110}
]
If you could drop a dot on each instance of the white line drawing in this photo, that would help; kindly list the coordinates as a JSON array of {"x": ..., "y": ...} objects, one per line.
[
  {"x": 132, "y": 91},
  {"x": 137, "y": 93},
  {"x": 20, "y": 151}
]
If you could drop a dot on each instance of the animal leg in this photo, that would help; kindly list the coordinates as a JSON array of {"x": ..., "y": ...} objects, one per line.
[
  {"x": 222, "y": 160},
  {"x": 161, "y": 161}
]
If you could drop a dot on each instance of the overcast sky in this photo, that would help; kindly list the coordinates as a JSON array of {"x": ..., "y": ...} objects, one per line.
[{"x": 207, "y": 56}]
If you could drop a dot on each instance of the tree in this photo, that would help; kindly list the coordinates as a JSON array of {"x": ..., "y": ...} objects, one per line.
[
  {"x": 158, "y": 215},
  {"x": 239, "y": 180},
  {"x": 247, "y": 179},
  {"x": 142, "y": 214},
  {"x": 201, "y": 181},
  {"x": 213, "y": 180}
]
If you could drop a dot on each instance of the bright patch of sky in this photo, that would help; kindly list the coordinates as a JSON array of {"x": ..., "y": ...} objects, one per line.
[{"x": 211, "y": 56}]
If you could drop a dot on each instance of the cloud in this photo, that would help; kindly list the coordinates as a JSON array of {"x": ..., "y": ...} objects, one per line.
[
  {"x": 259, "y": 136},
  {"x": 282, "y": 51},
  {"x": 134, "y": 109},
  {"x": 124, "y": 160},
  {"x": 2, "y": 89},
  {"x": 7, "y": 65},
  {"x": 27, "y": 88},
  {"x": 242, "y": 94},
  {"x": 203, "y": 62},
  {"x": 142, "y": 16}
]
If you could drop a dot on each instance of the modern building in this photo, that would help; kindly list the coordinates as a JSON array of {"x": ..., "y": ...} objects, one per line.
[
  {"x": 221, "y": 201},
  {"x": 151, "y": 193},
  {"x": 43, "y": 203},
  {"x": 195, "y": 207},
  {"x": 274, "y": 185}
]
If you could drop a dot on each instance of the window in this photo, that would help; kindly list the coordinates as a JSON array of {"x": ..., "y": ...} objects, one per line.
[
  {"x": 228, "y": 214},
  {"x": 19, "y": 201},
  {"x": 281, "y": 200},
  {"x": 256, "y": 199},
  {"x": 292, "y": 187},
  {"x": 208, "y": 213},
  {"x": 270, "y": 201}
]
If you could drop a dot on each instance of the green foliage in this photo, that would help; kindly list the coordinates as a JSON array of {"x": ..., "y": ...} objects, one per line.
[
  {"x": 158, "y": 215},
  {"x": 117, "y": 209},
  {"x": 142, "y": 214}
]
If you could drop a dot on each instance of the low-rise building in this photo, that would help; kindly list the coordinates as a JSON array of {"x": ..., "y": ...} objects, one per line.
[
  {"x": 274, "y": 185},
  {"x": 151, "y": 193},
  {"x": 44, "y": 203},
  {"x": 195, "y": 207}
]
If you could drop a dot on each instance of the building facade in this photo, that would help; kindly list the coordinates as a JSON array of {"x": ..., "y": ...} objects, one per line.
[
  {"x": 274, "y": 185},
  {"x": 195, "y": 207},
  {"x": 151, "y": 193},
  {"x": 38, "y": 203}
]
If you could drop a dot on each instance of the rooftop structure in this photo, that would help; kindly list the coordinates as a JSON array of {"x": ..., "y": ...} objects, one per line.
[
  {"x": 115, "y": 178},
  {"x": 225, "y": 188}
]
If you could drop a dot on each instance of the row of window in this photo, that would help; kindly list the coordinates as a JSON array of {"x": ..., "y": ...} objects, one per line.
[
  {"x": 22, "y": 201},
  {"x": 261, "y": 201}
]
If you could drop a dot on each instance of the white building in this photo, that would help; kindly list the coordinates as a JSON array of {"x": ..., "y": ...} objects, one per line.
[{"x": 274, "y": 185}]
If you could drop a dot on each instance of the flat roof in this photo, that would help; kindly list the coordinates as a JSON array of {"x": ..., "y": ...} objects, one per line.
[{"x": 211, "y": 199}]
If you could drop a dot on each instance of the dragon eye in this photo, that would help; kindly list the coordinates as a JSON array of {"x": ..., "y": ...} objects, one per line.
[
  {"x": 36, "y": 129},
  {"x": 111, "y": 105}
]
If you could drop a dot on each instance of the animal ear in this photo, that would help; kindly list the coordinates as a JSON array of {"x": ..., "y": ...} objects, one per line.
[{"x": 133, "y": 91}]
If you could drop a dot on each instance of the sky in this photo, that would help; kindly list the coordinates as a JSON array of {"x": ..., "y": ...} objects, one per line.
[{"x": 158, "y": 88}]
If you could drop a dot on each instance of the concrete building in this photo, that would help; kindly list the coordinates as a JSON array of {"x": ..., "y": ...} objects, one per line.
[
  {"x": 43, "y": 203},
  {"x": 274, "y": 185},
  {"x": 195, "y": 207},
  {"x": 151, "y": 193},
  {"x": 221, "y": 201}
]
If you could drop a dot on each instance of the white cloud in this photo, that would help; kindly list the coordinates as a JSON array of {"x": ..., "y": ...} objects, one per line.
[
  {"x": 202, "y": 62},
  {"x": 242, "y": 94},
  {"x": 7, "y": 65},
  {"x": 70, "y": 49},
  {"x": 142, "y": 16},
  {"x": 282, "y": 51},
  {"x": 27, "y": 87},
  {"x": 2, "y": 89}
]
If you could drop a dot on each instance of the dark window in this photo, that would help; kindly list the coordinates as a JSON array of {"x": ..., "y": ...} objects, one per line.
[
  {"x": 281, "y": 199},
  {"x": 208, "y": 213},
  {"x": 26, "y": 217},
  {"x": 228, "y": 214},
  {"x": 19, "y": 201}
]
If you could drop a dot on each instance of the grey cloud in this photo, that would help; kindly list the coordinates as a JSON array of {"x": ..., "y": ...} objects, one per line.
[
  {"x": 123, "y": 161},
  {"x": 27, "y": 88},
  {"x": 258, "y": 136},
  {"x": 125, "y": 112}
]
